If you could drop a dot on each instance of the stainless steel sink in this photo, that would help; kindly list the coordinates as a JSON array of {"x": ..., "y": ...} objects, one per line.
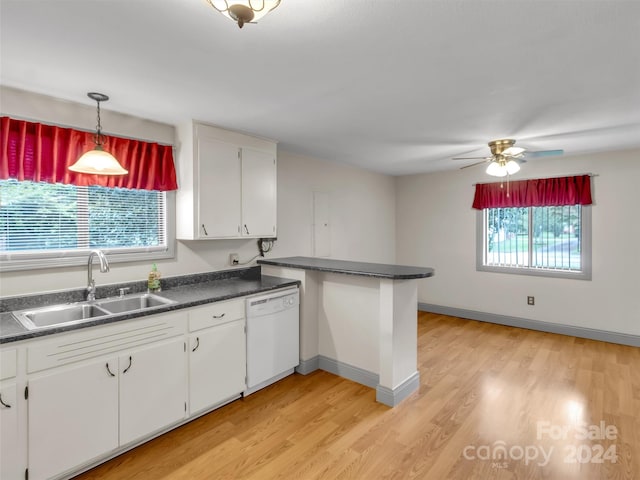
[
  {"x": 74, "y": 313},
  {"x": 59, "y": 314},
  {"x": 132, "y": 303}
]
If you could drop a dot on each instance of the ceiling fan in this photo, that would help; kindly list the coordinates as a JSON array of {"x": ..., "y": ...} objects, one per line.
[{"x": 504, "y": 155}]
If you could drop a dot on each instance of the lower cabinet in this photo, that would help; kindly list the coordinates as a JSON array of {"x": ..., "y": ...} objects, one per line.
[
  {"x": 153, "y": 389},
  {"x": 73, "y": 417},
  {"x": 96, "y": 392},
  {"x": 10, "y": 458},
  {"x": 86, "y": 410},
  {"x": 217, "y": 365}
]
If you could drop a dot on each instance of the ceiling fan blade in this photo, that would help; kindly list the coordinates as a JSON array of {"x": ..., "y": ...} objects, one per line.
[
  {"x": 543, "y": 153},
  {"x": 471, "y": 158},
  {"x": 473, "y": 164},
  {"x": 513, "y": 151}
]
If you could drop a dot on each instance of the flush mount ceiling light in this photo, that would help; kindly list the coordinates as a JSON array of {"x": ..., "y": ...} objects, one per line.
[
  {"x": 244, "y": 11},
  {"x": 97, "y": 161}
]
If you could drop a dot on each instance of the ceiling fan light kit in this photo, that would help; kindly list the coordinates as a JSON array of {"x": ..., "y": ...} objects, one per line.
[
  {"x": 503, "y": 168},
  {"x": 244, "y": 11}
]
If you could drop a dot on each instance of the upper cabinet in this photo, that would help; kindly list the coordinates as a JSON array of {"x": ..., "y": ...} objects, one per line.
[{"x": 227, "y": 184}]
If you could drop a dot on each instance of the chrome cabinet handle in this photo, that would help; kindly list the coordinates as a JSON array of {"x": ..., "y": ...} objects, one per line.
[
  {"x": 197, "y": 344},
  {"x": 218, "y": 316},
  {"x": 109, "y": 370},
  {"x": 127, "y": 369},
  {"x": 204, "y": 229},
  {"x": 5, "y": 405},
  {"x": 246, "y": 229}
]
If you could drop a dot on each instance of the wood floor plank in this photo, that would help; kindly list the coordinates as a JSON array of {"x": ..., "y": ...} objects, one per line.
[{"x": 485, "y": 390}]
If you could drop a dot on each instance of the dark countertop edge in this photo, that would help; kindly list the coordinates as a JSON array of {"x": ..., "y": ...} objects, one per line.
[
  {"x": 21, "y": 302},
  {"x": 272, "y": 283},
  {"x": 376, "y": 270}
]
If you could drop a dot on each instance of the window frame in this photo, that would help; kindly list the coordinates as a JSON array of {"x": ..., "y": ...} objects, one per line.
[
  {"x": 69, "y": 258},
  {"x": 585, "y": 251}
]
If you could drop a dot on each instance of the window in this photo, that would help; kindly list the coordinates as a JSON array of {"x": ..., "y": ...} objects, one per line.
[
  {"x": 535, "y": 227},
  {"x": 47, "y": 224},
  {"x": 539, "y": 240}
]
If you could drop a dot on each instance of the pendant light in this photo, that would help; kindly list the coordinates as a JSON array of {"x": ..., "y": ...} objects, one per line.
[
  {"x": 244, "y": 11},
  {"x": 98, "y": 161}
]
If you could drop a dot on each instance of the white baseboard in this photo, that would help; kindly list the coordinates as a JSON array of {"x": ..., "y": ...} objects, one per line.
[
  {"x": 350, "y": 372},
  {"x": 590, "y": 333},
  {"x": 394, "y": 397},
  {"x": 384, "y": 395}
]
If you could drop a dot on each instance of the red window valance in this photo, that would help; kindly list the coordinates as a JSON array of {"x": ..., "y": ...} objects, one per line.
[
  {"x": 41, "y": 153},
  {"x": 541, "y": 192}
]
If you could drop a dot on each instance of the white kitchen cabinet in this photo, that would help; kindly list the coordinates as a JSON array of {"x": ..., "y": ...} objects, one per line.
[
  {"x": 152, "y": 389},
  {"x": 81, "y": 412},
  {"x": 217, "y": 365},
  {"x": 98, "y": 389},
  {"x": 227, "y": 184},
  {"x": 13, "y": 455},
  {"x": 73, "y": 416},
  {"x": 219, "y": 178},
  {"x": 11, "y": 460},
  {"x": 258, "y": 193}
]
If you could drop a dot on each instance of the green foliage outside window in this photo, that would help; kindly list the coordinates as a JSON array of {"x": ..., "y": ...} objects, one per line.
[{"x": 54, "y": 217}]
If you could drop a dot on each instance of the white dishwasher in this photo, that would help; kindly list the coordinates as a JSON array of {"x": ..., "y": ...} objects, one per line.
[{"x": 273, "y": 337}]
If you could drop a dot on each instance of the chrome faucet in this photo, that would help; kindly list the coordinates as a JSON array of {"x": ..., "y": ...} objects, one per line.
[{"x": 104, "y": 268}]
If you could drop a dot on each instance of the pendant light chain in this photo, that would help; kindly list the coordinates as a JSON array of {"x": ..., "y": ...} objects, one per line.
[{"x": 99, "y": 137}]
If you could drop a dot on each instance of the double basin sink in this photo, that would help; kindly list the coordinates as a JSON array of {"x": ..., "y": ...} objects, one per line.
[{"x": 74, "y": 313}]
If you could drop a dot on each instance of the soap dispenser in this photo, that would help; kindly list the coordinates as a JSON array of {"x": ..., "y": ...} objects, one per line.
[{"x": 153, "y": 283}]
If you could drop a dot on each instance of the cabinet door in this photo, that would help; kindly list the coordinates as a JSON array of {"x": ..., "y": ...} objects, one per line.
[
  {"x": 259, "y": 206},
  {"x": 10, "y": 455},
  {"x": 217, "y": 365},
  {"x": 73, "y": 417},
  {"x": 153, "y": 389},
  {"x": 218, "y": 189}
]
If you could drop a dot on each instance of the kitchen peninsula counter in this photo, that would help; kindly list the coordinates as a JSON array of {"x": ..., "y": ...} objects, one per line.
[
  {"x": 377, "y": 270},
  {"x": 358, "y": 320}
]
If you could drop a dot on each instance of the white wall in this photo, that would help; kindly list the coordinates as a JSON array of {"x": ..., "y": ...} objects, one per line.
[
  {"x": 436, "y": 227},
  {"x": 362, "y": 206},
  {"x": 361, "y": 209}
]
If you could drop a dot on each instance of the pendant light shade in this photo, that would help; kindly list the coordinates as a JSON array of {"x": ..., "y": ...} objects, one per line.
[
  {"x": 97, "y": 161},
  {"x": 244, "y": 11}
]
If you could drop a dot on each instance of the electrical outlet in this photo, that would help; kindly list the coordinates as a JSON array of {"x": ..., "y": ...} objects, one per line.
[
  {"x": 531, "y": 300},
  {"x": 234, "y": 259}
]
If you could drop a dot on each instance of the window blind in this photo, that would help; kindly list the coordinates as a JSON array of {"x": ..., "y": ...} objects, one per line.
[{"x": 43, "y": 219}]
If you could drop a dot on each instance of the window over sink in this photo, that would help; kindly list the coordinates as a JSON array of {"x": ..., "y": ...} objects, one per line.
[{"x": 47, "y": 224}]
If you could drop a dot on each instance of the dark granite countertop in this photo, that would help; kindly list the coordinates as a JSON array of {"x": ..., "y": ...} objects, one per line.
[
  {"x": 186, "y": 291},
  {"x": 377, "y": 270}
]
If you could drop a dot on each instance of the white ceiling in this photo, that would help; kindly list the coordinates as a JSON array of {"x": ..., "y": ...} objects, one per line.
[{"x": 395, "y": 86}]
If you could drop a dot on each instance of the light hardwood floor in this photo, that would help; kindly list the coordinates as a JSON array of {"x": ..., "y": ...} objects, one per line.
[{"x": 483, "y": 387}]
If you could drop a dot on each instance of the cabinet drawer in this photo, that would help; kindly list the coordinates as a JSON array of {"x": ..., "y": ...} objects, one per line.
[
  {"x": 215, "y": 314},
  {"x": 8, "y": 363}
]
